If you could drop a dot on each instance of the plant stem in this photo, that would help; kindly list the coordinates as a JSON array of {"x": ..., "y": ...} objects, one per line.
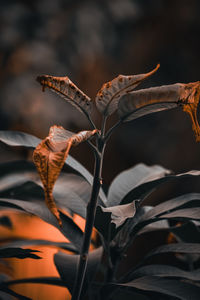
[{"x": 91, "y": 211}]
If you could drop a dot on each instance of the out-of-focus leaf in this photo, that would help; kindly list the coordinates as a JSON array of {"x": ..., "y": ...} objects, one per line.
[
  {"x": 171, "y": 287},
  {"x": 5, "y": 292},
  {"x": 141, "y": 191},
  {"x": 49, "y": 158},
  {"x": 132, "y": 178},
  {"x": 64, "y": 87},
  {"x": 146, "y": 101},
  {"x": 18, "y": 253},
  {"x": 67, "y": 266},
  {"x": 44, "y": 280},
  {"x": 165, "y": 271},
  {"x": 16, "y": 138},
  {"x": 38, "y": 208},
  {"x": 108, "y": 96},
  {"x": 6, "y": 222},
  {"x": 24, "y": 242}
]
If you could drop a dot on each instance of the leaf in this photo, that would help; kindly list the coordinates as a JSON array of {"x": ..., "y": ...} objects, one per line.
[
  {"x": 6, "y": 222},
  {"x": 18, "y": 253},
  {"x": 167, "y": 206},
  {"x": 16, "y": 138},
  {"x": 69, "y": 229},
  {"x": 165, "y": 271},
  {"x": 188, "y": 233},
  {"x": 108, "y": 96},
  {"x": 67, "y": 266},
  {"x": 145, "y": 189},
  {"x": 120, "y": 213},
  {"x": 128, "y": 180},
  {"x": 71, "y": 191},
  {"x": 25, "y": 242},
  {"x": 49, "y": 158},
  {"x": 43, "y": 280},
  {"x": 175, "y": 288},
  {"x": 109, "y": 220},
  {"x": 146, "y": 101},
  {"x": 178, "y": 247},
  {"x": 5, "y": 291},
  {"x": 188, "y": 213},
  {"x": 64, "y": 87}
]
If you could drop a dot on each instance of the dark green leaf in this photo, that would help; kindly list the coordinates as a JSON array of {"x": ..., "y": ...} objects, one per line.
[
  {"x": 165, "y": 271},
  {"x": 24, "y": 242},
  {"x": 177, "y": 248},
  {"x": 171, "y": 287},
  {"x": 18, "y": 253},
  {"x": 141, "y": 191},
  {"x": 38, "y": 208},
  {"x": 44, "y": 280},
  {"x": 167, "y": 206},
  {"x": 67, "y": 266},
  {"x": 132, "y": 178}
]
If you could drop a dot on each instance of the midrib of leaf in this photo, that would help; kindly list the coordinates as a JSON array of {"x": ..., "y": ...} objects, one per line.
[{"x": 65, "y": 96}]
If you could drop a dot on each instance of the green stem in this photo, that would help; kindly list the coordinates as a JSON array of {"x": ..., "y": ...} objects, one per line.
[{"x": 91, "y": 211}]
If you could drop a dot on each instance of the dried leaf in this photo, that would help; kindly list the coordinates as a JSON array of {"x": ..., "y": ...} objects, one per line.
[
  {"x": 68, "y": 90},
  {"x": 49, "y": 158},
  {"x": 108, "y": 96},
  {"x": 142, "y": 102}
]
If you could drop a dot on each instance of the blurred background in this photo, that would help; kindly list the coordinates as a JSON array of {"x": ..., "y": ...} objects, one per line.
[{"x": 92, "y": 42}]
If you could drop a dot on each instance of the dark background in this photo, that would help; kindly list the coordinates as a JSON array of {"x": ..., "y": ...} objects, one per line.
[{"x": 92, "y": 42}]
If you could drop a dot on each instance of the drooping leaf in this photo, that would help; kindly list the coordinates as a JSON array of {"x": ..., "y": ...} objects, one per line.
[
  {"x": 144, "y": 189},
  {"x": 26, "y": 242},
  {"x": 165, "y": 271},
  {"x": 18, "y": 253},
  {"x": 49, "y": 158},
  {"x": 64, "y": 87},
  {"x": 108, "y": 96},
  {"x": 128, "y": 180},
  {"x": 6, "y": 222},
  {"x": 16, "y": 138},
  {"x": 38, "y": 208},
  {"x": 171, "y": 287},
  {"x": 67, "y": 266},
  {"x": 146, "y": 101}
]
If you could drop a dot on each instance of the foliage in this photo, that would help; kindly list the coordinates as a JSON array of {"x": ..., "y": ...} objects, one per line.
[{"x": 120, "y": 217}]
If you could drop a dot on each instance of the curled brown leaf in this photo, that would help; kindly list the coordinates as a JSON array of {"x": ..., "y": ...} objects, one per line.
[{"x": 49, "y": 157}]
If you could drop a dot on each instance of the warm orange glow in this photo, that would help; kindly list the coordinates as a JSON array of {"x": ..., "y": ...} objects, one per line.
[{"x": 26, "y": 226}]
